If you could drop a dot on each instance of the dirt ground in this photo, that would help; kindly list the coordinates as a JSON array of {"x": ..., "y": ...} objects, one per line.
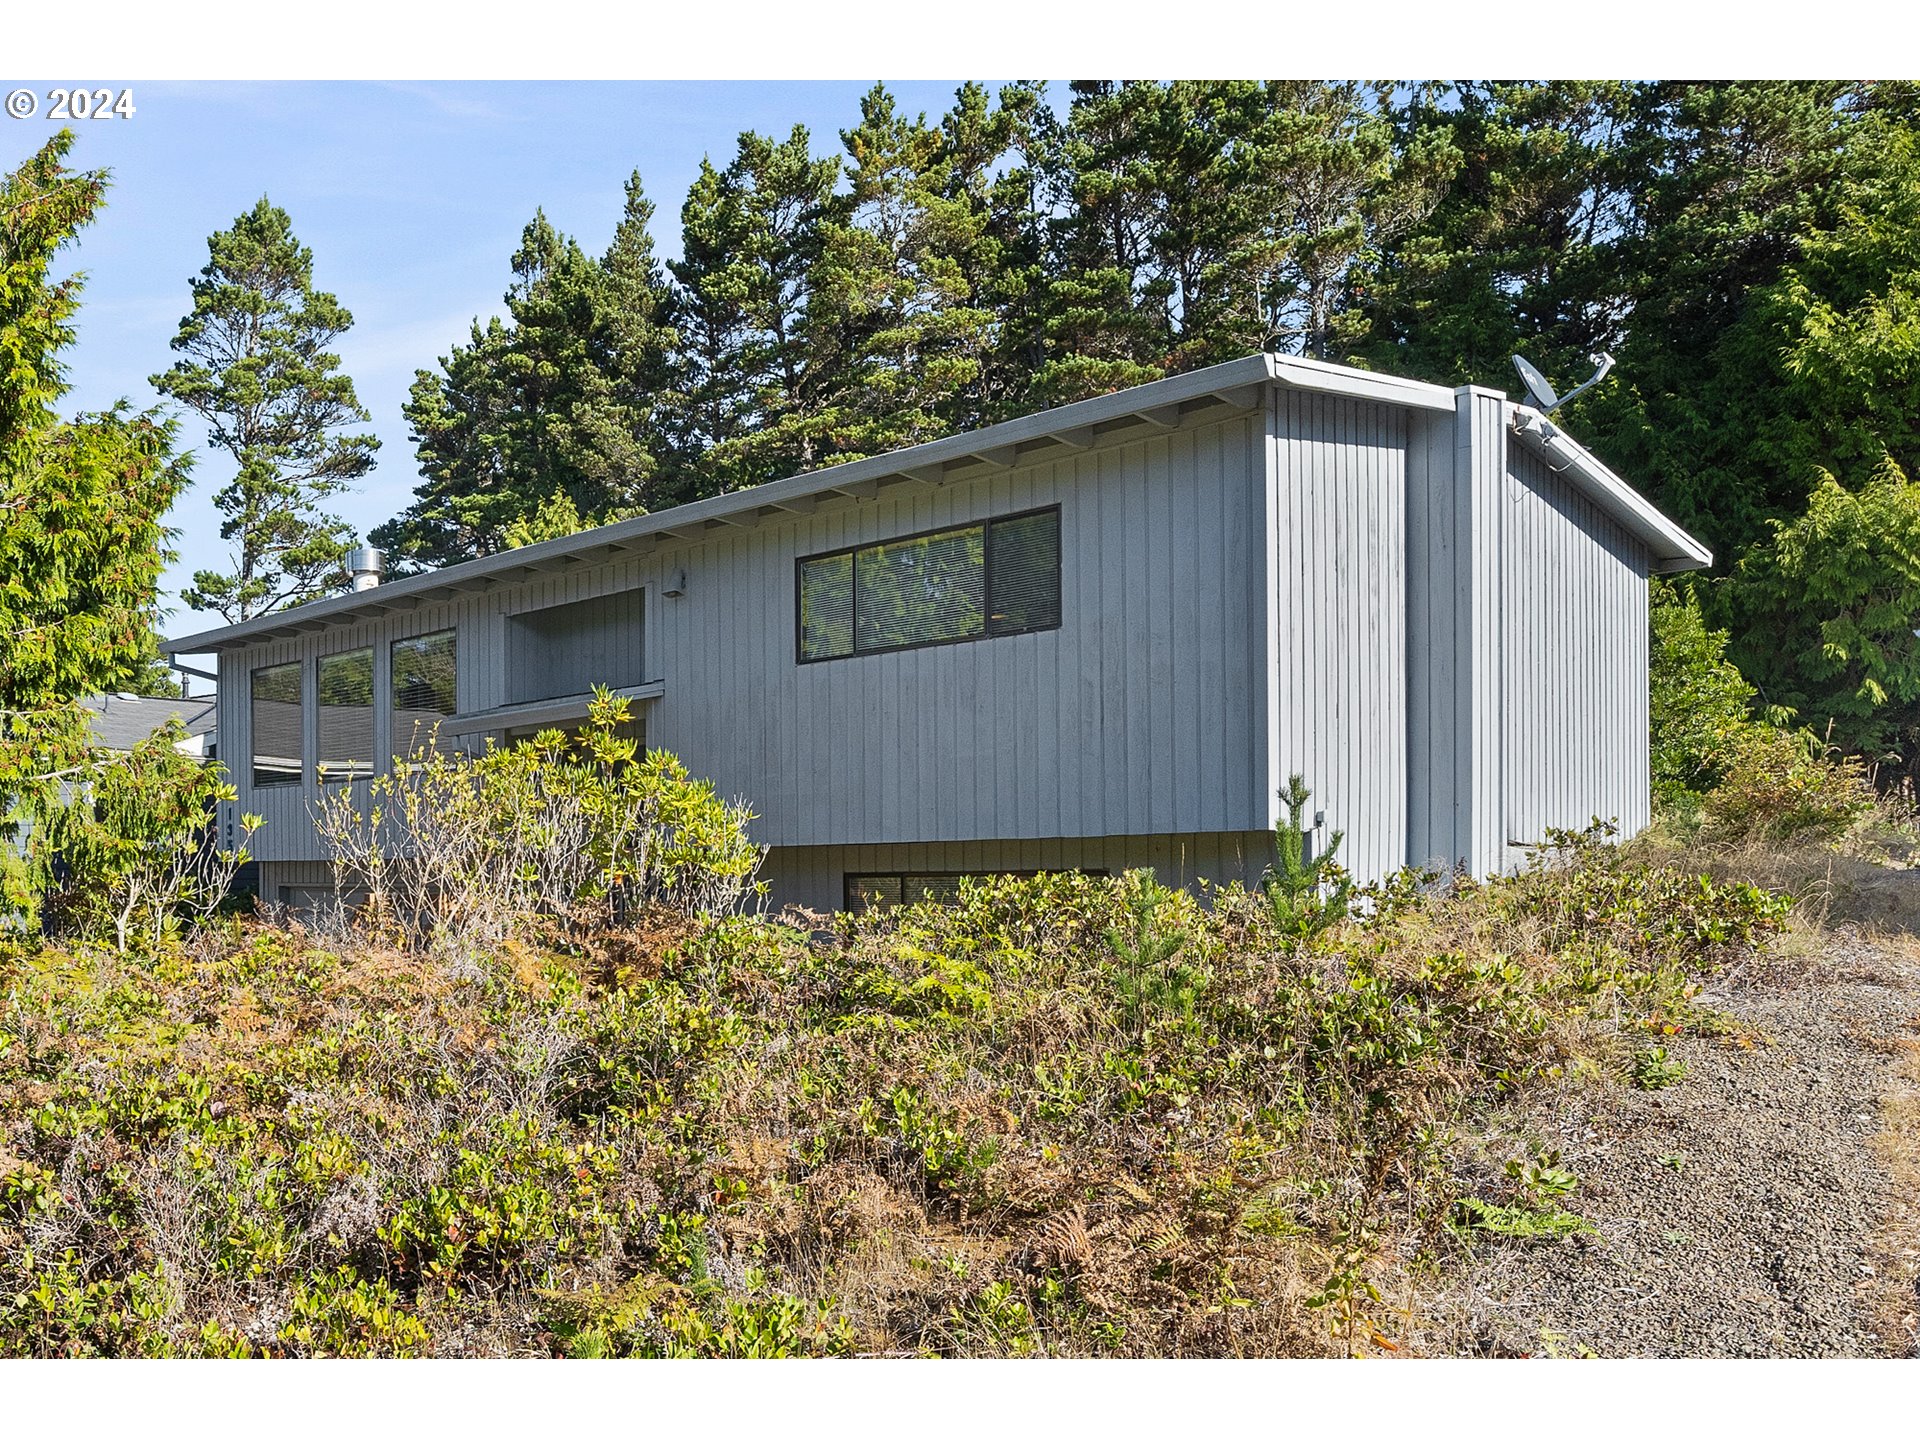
[{"x": 1765, "y": 1204}]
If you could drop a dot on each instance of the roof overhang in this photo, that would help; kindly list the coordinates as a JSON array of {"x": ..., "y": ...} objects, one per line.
[
  {"x": 550, "y": 711},
  {"x": 1236, "y": 388},
  {"x": 1669, "y": 547}
]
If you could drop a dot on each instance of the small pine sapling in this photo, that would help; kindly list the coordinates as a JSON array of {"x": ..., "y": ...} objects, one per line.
[
  {"x": 1305, "y": 896},
  {"x": 1148, "y": 978}
]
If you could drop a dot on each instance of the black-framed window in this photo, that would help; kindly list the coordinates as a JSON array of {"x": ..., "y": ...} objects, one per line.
[
  {"x": 344, "y": 685},
  {"x": 865, "y": 892},
  {"x": 275, "y": 709},
  {"x": 965, "y": 582},
  {"x": 425, "y": 689}
]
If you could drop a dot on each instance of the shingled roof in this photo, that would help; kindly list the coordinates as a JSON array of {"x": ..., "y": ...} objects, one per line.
[{"x": 121, "y": 721}]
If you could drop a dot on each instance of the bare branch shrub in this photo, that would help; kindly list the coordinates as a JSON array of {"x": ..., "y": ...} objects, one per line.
[{"x": 552, "y": 834}]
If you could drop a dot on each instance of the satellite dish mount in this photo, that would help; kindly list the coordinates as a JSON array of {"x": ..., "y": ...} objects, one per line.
[{"x": 1542, "y": 393}]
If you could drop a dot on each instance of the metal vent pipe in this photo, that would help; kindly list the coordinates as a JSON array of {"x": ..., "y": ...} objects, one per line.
[{"x": 366, "y": 565}]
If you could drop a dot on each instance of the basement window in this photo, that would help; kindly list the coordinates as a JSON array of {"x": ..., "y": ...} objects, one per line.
[
  {"x": 275, "y": 712},
  {"x": 346, "y": 716},
  {"x": 1000, "y": 577},
  {"x": 424, "y": 689}
]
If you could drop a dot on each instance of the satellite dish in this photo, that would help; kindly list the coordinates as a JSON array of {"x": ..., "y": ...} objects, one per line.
[{"x": 1543, "y": 397}]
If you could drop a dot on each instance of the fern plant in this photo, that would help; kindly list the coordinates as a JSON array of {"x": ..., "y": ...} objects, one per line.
[{"x": 1306, "y": 896}]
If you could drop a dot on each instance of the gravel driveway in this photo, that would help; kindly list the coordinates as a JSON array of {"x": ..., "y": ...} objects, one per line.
[{"x": 1744, "y": 1211}]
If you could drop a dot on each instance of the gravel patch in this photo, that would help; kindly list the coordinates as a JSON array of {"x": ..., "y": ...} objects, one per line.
[{"x": 1735, "y": 1213}]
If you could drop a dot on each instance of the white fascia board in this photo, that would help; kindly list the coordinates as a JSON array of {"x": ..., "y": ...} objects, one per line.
[
  {"x": 1297, "y": 372},
  {"x": 1671, "y": 548}
]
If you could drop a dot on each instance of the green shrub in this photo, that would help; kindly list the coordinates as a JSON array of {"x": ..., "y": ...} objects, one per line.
[
  {"x": 1697, "y": 697},
  {"x": 1063, "y": 1115},
  {"x": 551, "y": 834},
  {"x": 1780, "y": 785},
  {"x": 133, "y": 847},
  {"x": 1826, "y": 609}
]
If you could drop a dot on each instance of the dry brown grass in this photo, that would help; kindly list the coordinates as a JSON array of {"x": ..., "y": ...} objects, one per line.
[{"x": 1890, "y": 1296}]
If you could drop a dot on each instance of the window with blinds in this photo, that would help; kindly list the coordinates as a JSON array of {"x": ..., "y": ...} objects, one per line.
[
  {"x": 274, "y": 706},
  {"x": 345, "y": 685},
  {"x": 424, "y": 689},
  {"x": 1000, "y": 577}
]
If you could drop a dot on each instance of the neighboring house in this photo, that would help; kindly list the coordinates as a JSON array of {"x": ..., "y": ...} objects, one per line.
[
  {"x": 1096, "y": 637},
  {"x": 120, "y": 721}
]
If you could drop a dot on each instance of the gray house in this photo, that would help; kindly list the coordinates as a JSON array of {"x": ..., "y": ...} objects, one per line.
[{"x": 1096, "y": 637}]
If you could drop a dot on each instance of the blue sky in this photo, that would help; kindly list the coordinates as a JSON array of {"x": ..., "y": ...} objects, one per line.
[{"x": 412, "y": 198}]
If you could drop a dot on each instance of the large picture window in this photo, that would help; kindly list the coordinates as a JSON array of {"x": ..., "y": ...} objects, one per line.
[
  {"x": 999, "y": 577},
  {"x": 346, "y": 716},
  {"x": 275, "y": 710},
  {"x": 424, "y": 692}
]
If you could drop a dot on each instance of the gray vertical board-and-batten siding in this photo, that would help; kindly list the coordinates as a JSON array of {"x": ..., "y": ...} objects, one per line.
[
  {"x": 1385, "y": 591},
  {"x": 1140, "y": 714},
  {"x": 1143, "y": 713},
  {"x": 484, "y": 674},
  {"x": 1575, "y": 621},
  {"x": 1528, "y": 651},
  {"x": 1337, "y": 638},
  {"x": 1454, "y": 601}
]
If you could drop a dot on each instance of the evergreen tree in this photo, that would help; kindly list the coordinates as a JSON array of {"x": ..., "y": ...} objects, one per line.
[
  {"x": 258, "y": 370},
  {"x": 892, "y": 313},
  {"x": 1828, "y": 606},
  {"x": 620, "y": 430},
  {"x": 566, "y": 396},
  {"x": 464, "y": 423},
  {"x": 1156, "y": 184},
  {"x": 1204, "y": 217},
  {"x": 1334, "y": 189},
  {"x": 1728, "y": 182},
  {"x": 998, "y": 149},
  {"x": 751, "y": 238},
  {"x": 554, "y": 520},
  {"x": 1522, "y": 252},
  {"x": 82, "y": 544},
  {"x": 1304, "y": 896}
]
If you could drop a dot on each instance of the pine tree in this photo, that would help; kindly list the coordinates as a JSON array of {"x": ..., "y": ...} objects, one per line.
[
  {"x": 1202, "y": 217},
  {"x": 1334, "y": 188},
  {"x": 1305, "y": 896},
  {"x": 570, "y": 395},
  {"x": 1729, "y": 183},
  {"x": 892, "y": 306},
  {"x": 1522, "y": 252},
  {"x": 620, "y": 429},
  {"x": 751, "y": 237},
  {"x": 82, "y": 544},
  {"x": 462, "y": 420},
  {"x": 1128, "y": 247},
  {"x": 998, "y": 149},
  {"x": 258, "y": 370}
]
